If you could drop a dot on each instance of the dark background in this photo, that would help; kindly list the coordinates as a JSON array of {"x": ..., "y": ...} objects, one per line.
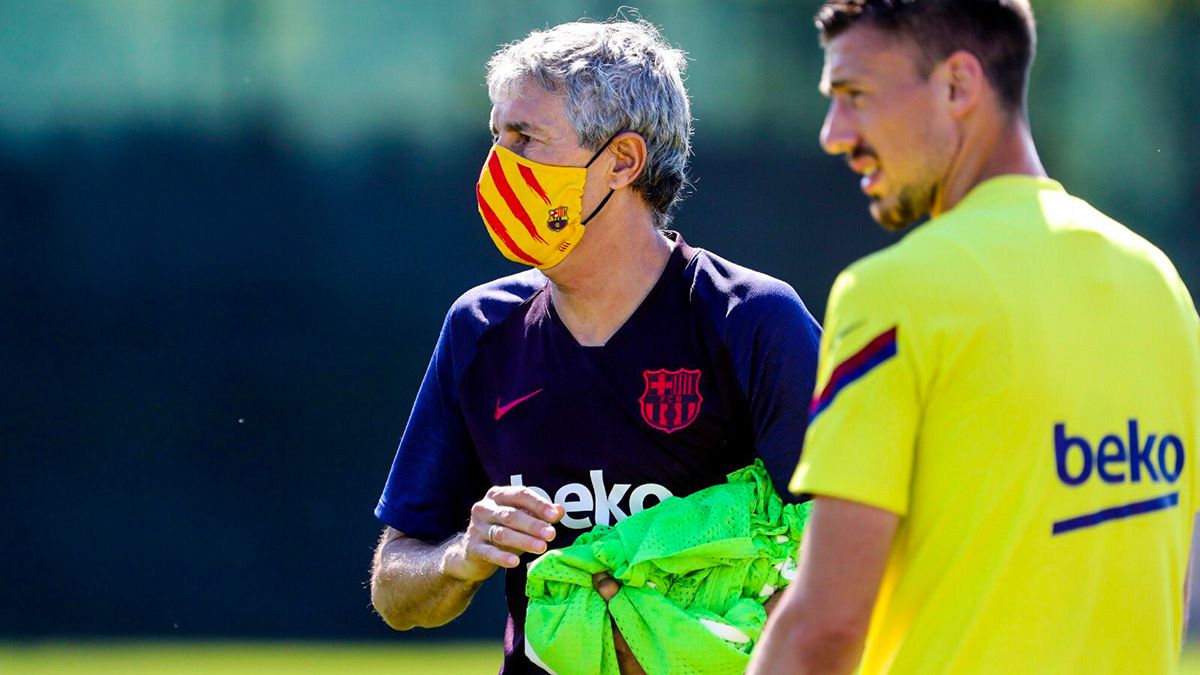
[{"x": 229, "y": 232}]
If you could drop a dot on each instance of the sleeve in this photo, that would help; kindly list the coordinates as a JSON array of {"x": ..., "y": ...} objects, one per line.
[
  {"x": 774, "y": 343},
  {"x": 436, "y": 476},
  {"x": 1195, "y": 319},
  {"x": 1195, "y": 428},
  {"x": 1196, "y": 419},
  {"x": 864, "y": 417}
]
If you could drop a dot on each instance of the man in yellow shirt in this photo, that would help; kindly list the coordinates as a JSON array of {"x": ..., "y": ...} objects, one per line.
[{"x": 1002, "y": 443}]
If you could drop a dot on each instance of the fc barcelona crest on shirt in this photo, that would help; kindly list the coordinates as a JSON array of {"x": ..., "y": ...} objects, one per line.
[
  {"x": 672, "y": 398},
  {"x": 558, "y": 219}
]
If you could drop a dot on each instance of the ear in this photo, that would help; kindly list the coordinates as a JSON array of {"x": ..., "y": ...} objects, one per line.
[
  {"x": 629, "y": 151},
  {"x": 963, "y": 82}
]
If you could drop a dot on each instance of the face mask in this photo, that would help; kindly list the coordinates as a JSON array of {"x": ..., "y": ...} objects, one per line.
[{"x": 533, "y": 211}]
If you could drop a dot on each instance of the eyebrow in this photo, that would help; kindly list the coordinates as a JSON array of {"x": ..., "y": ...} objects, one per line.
[
  {"x": 831, "y": 87},
  {"x": 522, "y": 127}
]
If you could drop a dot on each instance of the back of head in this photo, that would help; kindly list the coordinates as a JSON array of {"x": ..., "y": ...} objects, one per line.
[
  {"x": 1000, "y": 33},
  {"x": 613, "y": 76}
]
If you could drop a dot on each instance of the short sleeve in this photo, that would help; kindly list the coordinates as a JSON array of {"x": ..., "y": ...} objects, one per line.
[
  {"x": 436, "y": 475},
  {"x": 1196, "y": 405},
  {"x": 865, "y": 413},
  {"x": 772, "y": 341},
  {"x": 775, "y": 352},
  {"x": 1187, "y": 307}
]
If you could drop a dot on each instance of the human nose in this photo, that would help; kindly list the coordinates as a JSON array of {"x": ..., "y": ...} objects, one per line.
[
  {"x": 837, "y": 133},
  {"x": 511, "y": 143}
]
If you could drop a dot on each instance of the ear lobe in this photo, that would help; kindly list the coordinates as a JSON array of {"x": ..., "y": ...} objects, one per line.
[{"x": 630, "y": 150}]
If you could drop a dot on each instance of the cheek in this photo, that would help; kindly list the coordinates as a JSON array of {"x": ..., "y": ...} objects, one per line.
[
  {"x": 943, "y": 142},
  {"x": 593, "y": 191},
  {"x": 894, "y": 132},
  {"x": 594, "y": 184},
  {"x": 924, "y": 142}
]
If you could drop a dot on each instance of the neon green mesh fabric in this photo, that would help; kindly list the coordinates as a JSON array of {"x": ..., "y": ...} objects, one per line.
[{"x": 695, "y": 572}]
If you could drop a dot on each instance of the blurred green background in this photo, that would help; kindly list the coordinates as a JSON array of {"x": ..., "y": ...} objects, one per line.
[{"x": 229, "y": 231}]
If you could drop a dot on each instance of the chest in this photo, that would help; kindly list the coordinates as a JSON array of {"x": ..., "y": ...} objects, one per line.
[{"x": 612, "y": 430}]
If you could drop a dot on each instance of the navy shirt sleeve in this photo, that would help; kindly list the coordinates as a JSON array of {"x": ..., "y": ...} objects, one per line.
[
  {"x": 436, "y": 476},
  {"x": 774, "y": 343}
]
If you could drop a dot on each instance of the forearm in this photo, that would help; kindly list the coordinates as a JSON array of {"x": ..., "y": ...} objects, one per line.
[
  {"x": 410, "y": 586},
  {"x": 798, "y": 642},
  {"x": 822, "y": 621},
  {"x": 418, "y": 584}
]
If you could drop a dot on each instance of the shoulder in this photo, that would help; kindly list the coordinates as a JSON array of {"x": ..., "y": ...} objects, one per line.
[
  {"x": 739, "y": 295},
  {"x": 1131, "y": 245},
  {"x": 487, "y": 305},
  {"x": 1143, "y": 261},
  {"x": 932, "y": 266},
  {"x": 874, "y": 279},
  {"x": 479, "y": 311},
  {"x": 922, "y": 285}
]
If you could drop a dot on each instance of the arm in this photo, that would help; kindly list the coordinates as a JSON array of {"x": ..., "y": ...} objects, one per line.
[
  {"x": 774, "y": 344},
  {"x": 408, "y": 587},
  {"x": 414, "y": 583},
  {"x": 1187, "y": 579},
  {"x": 628, "y": 664},
  {"x": 821, "y": 623}
]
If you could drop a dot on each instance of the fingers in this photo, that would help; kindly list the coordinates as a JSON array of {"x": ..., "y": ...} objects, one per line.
[
  {"x": 481, "y": 547},
  {"x": 628, "y": 664},
  {"x": 509, "y": 521},
  {"x": 605, "y": 585},
  {"x": 513, "y": 531},
  {"x": 528, "y": 501},
  {"x": 518, "y": 529}
]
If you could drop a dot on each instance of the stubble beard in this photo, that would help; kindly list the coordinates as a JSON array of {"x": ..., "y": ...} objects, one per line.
[
  {"x": 913, "y": 203},
  {"x": 937, "y": 148}
]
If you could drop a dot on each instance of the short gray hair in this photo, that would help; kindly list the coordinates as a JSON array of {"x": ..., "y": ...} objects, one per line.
[{"x": 614, "y": 76}]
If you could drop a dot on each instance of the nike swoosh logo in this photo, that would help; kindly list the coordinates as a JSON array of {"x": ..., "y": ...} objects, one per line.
[
  {"x": 502, "y": 410},
  {"x": 849, "y": 329}
]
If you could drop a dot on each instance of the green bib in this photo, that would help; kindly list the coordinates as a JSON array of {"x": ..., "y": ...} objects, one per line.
[{"x": 694, "y": 572}]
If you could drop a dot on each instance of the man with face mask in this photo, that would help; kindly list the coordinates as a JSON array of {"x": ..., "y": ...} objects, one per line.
[
  {"x": 627, "y": 368},
  {"x": 1002, "y": 446}
]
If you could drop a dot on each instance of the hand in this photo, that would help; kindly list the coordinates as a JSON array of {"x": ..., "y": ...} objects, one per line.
[
  {"x": 607, "y": 587},
  {"x": 508, "y": 521}
]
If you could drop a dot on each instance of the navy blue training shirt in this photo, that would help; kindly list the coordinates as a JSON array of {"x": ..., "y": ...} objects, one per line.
[{"x": 715, "y": 368}]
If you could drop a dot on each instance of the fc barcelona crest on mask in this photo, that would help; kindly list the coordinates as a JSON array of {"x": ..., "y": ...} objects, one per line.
[
  {"x": 672, "y": 398},
  {"x": 558, "y": 219}
]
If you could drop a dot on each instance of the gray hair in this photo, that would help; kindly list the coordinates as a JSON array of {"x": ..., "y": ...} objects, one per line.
[{"x": 614, "y": 76}]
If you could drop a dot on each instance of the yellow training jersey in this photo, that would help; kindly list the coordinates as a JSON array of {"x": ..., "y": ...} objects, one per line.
[{"x": 1019, "y": 380}]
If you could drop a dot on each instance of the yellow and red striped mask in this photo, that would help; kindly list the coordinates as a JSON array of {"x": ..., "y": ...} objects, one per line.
[{"x": 533, "y": 211}]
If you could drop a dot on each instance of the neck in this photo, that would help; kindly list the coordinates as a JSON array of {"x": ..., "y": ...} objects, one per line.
[
  {"x": 1006, "y": 149},
  {"x": 603, "y": 281}
]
